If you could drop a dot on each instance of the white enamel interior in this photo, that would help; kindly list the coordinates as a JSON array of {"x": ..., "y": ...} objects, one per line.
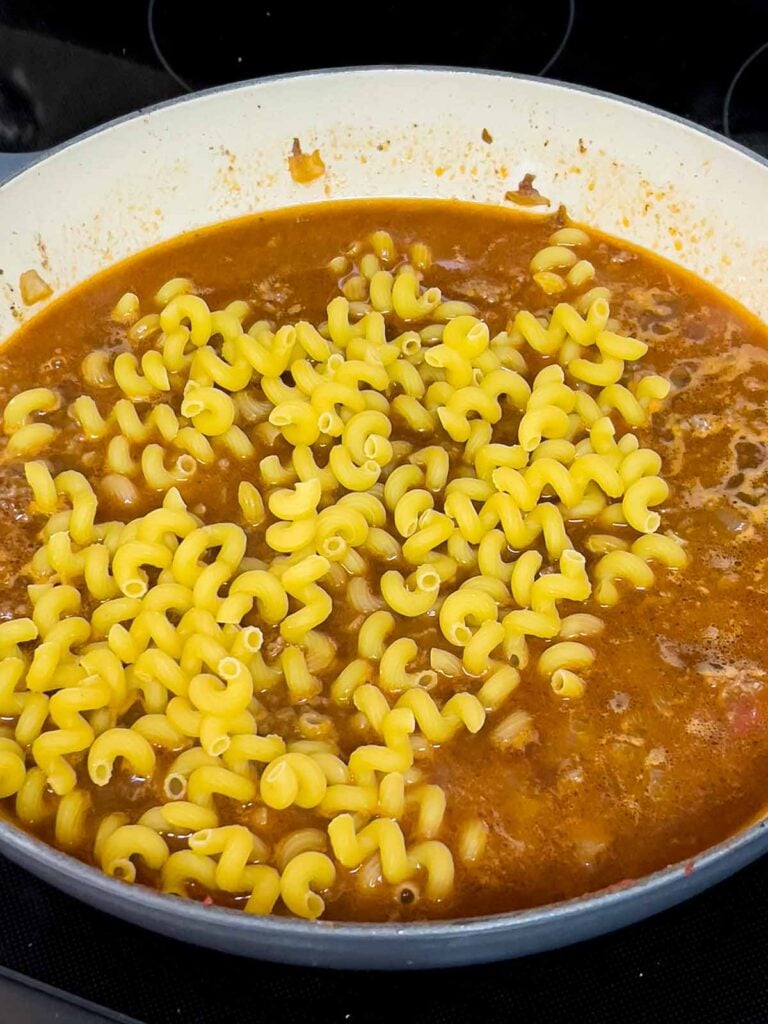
[{"x": 388, "y": 132}]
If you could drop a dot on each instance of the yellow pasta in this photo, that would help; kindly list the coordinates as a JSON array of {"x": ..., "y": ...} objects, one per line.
[
  {"x": 395, "y": 755},
  {"x": 393, "y": 667},
  {"x": 208, "y": 779},
  {"x": 406, "y": 601},
  {"x": 236, "y": 847},
  {"x": 211, "y": 411},
  {"x": 127, "y": 842},
  {"x": 126, "y": 743},
  {"x": 12, "y": 767},
  {"x": 32, "y": 804},
  {"x": 430, "y": 802},
  {"x": 302, "y": 875},
  {"x": 292, "y": 778},
  {"x": 473, "y": 839},
  {"x": 514, "y": 732},
  {"x": 185, "y": 866},
  {"x": 20, "y": 408},
  {"x": 625, "y": 565},
  {"x": 71, "y": 818}
]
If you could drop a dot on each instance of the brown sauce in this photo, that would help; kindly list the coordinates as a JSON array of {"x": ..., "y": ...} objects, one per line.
[{"x": 667, "y": 751}]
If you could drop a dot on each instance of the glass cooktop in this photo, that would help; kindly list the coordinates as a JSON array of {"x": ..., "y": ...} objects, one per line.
[{"x": 66, "y": 67}]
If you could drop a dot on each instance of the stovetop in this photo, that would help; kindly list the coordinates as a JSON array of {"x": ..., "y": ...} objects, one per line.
[{"x": 65, "y": 67}]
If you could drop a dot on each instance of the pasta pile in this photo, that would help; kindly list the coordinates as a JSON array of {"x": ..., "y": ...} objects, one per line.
[{"x": 403, "y": 474}]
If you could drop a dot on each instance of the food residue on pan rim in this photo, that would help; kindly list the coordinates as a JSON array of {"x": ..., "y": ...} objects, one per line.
[{"x": 305, "y": 167}]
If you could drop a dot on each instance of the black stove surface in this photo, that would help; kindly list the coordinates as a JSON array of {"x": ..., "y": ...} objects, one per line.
[{"x": 65, "y": 67}]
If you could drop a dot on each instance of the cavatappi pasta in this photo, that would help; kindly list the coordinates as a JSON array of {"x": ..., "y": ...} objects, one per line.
[{"x": 293, "y": 569}]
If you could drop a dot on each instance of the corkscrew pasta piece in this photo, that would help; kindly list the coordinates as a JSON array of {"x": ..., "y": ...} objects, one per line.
[
  {"x": 210, "y": 779},
  {"x": 398, "y": 862},
  {"x": 12, "y": 767},
  {"x": 71, "y": 821},
  {"x": 23, "y": 406},
  {"x": 33, "y": 805},
  {"x": 440, "y": 724},
  {"x": 394, "y": 755},
  {"x": 514, "y": 732},
  {"x": 236, "y": 848},
  {"x": 179, "y": 817},
  {"x": 184, "y": 867},
  {"x": 292, "y": 778},
  {"x": 473, "y": 839},
  {"x": 302, "y": 875},
  {"x": 393, "y": 667},
  {"x": 429, "y": 802},
  {"x": 128, "y": 842},
  {"x": 125, "y": 743}
]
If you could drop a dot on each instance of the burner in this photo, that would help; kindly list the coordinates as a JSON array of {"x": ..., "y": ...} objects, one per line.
[
  {"x": 744, "y": 106},
  {"x": 244, "y": 42}
]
